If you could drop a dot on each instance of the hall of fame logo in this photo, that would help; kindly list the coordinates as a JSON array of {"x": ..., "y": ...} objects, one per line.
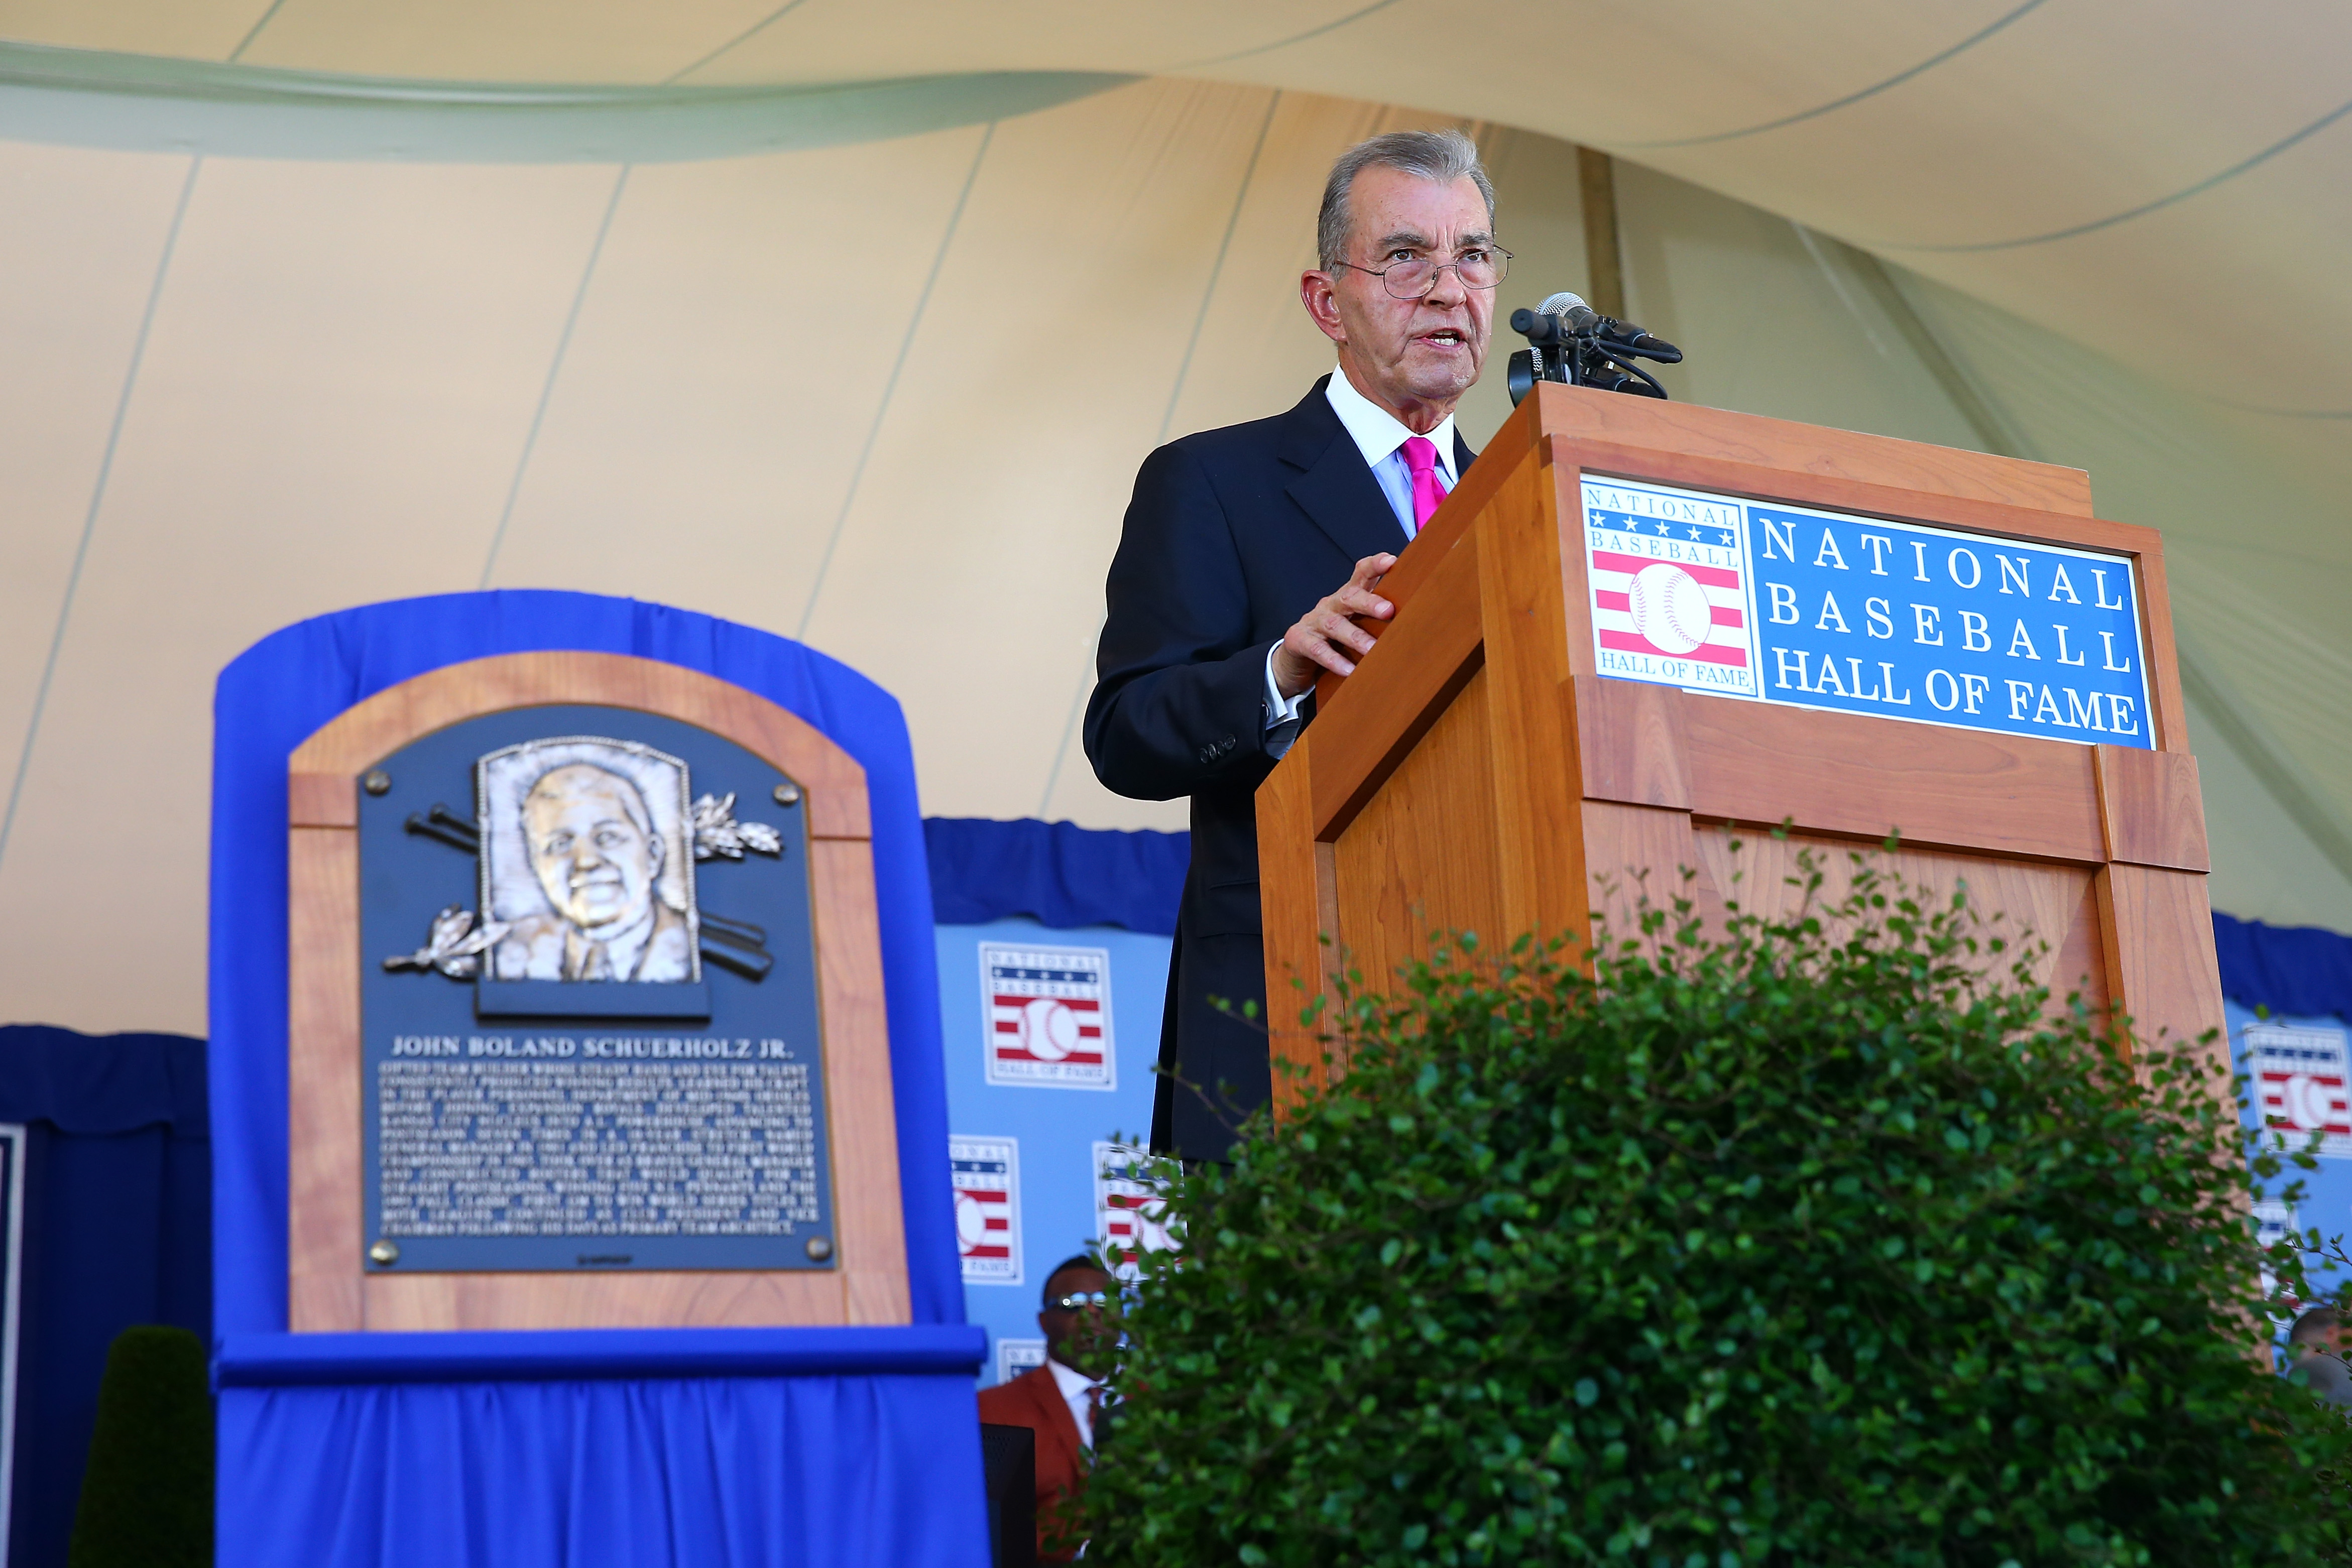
[
  {"x": 1668, "y": 576},
  {"x": 1048, "y": 1016},
  {"x": 2301, "y": 1085},
  {"x": 1016, "y": 1356},
  {"x": 1128, "y": 1208},
  {"x": 987, "y": 1176}
]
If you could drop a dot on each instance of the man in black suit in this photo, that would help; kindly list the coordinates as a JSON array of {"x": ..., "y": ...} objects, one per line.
[{"x": 1223, "y": 603}]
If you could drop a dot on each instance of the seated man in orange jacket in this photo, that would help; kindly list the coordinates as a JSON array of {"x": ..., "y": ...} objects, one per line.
[{"x": 1062, "y": 1400}]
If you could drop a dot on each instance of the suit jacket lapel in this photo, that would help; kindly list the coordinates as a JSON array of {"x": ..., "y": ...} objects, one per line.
[
  {"x": 1336, "y": 488},
  {"x": 1048, "y": 1396},
  {"x": 1462, "y": 455}
]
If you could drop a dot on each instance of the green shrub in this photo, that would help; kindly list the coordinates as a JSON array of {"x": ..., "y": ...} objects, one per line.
[
  {"x": 1800, "y": 1244},
  {"x": 147, "y": 1495}
]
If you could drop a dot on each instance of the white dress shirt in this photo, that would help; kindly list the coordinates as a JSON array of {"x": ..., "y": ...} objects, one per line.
[
  {"x": 1381, "y": 436},
  {"x": 1076, "y": 1393}
]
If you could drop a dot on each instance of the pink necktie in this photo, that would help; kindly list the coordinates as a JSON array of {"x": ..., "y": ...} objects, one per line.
[{"x": 1421, "y": 462}]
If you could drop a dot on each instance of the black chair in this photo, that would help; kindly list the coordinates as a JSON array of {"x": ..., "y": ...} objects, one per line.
[{"x": 1008, "y": 1456}]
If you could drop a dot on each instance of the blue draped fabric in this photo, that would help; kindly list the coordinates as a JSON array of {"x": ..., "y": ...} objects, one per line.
[
  {"x": 544, "y": 1355},
  {"x": 699, "y": 1470},
  {"x": 853, "y": 1470},
  {"x": 1057, "y": 874},
  {"x": 116, "y": 1233},
  {"x": 2301, "y": 970}
]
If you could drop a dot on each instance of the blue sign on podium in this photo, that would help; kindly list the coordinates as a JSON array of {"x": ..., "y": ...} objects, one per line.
[{"x": 1808, "y": 608}]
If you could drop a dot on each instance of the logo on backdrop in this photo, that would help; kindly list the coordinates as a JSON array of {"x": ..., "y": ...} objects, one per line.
[
  {"x": 2300, "y": 1081},
  {"x": 987, "y": 1175},
  {"x": 1812, "y": 608},
  {"x": 1016, "y": 1356},
  {"x": 1127, "y": 1208},
  {"x": 1048, "y": 1012},
  {"x": 2275, "y": 1221}
]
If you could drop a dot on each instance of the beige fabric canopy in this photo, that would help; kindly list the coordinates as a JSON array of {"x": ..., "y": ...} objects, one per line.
[{"x": 852, "y": 321}]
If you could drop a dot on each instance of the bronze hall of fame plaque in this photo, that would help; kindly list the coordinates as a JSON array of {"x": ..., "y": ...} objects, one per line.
[{"x": 591, "y": 1037}]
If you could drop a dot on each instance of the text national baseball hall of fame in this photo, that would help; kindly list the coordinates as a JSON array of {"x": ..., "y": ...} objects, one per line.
[{"x": 1766, "y": 603}]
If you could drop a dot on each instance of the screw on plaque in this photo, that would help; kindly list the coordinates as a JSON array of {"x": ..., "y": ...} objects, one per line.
[
  {"x": 386, "y": 1253},
  {"x": 819, "y": 1248},
  {"x": 788, "y": 794},
  {"x": 376, "y": 781}
]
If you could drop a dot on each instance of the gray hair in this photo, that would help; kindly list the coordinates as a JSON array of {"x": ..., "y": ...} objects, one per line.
[{"x": 1444, "y": 156}]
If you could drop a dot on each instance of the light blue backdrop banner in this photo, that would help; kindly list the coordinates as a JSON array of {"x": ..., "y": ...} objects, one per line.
[
  {"x": 1035, "y": 1104},
  {"x": 754, "y": 1448},
  {"x": 1824, "y": 609},
  {"x": 2297, "y": 1069}
]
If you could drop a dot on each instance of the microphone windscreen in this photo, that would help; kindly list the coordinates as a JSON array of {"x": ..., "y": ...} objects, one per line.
[{"x": 1579, "y": 316}]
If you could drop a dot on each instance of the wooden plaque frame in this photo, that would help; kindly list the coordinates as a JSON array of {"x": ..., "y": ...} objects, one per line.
[
  {"x": 1477, "y": 773},
  {"x": 328, "y": 1287}
]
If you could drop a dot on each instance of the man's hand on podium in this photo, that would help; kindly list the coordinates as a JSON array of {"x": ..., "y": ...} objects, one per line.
[{"x": 1326, "y": 635}]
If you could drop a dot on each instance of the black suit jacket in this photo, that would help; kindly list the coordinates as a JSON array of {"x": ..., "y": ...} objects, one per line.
[{"x": 1232, "y": 535}]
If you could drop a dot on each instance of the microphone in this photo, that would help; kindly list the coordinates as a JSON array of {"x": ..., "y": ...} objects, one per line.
[
  {"x": 1574, "y": 313},
  {"x": 1569, "y": 341},
  {"x": 1582, "y": 318}
]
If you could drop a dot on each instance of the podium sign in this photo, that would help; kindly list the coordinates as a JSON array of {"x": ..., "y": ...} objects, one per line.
[
  {"x": 586, "y": 1009},
  {"x": 1725, "y": 597},
  {"x": 1638, "y": 633}
]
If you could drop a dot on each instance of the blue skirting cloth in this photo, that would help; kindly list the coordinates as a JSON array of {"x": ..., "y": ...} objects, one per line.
[
  {"x": 1057, "y": 874},
  {"x": 818, "y": 1448},
  {"x": 856, "y": 1470}
]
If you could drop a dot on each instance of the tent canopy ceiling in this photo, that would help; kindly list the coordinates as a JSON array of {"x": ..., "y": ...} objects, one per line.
[
  {"x": 311, "y": 303},
  {"x": 2144, "y": 178}
]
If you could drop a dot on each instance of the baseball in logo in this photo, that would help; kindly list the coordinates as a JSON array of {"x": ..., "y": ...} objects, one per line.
[
  {"x": 1669, "y": 609},
  {"x": 2303, "y": 1084},
  {"x": 1048, "y": 1016},
  {"x": 986, "y": 1172}
]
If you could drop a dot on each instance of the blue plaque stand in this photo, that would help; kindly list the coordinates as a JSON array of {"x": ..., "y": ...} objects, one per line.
[{"x": 716, "y": 1448}]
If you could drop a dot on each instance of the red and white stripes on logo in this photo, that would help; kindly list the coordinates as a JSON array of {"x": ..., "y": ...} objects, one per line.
[
  {"x": 983, "y": 1222},
  {"x": 1048, "y": 1029},
  {"x": 1677, "y": 608}
]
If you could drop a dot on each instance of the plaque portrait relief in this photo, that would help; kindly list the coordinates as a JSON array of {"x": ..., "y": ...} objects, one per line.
[{"x": 587, "y": 860}]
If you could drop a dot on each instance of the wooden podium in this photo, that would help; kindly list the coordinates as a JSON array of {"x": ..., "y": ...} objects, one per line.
[{"x": 1480, "y": 773}]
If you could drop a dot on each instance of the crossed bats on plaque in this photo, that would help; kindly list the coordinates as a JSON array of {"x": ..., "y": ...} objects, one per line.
[{"x": 586, "y": 848}]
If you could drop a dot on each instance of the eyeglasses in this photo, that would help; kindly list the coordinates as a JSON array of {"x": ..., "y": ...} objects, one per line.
[
  {"x": 1082, "y": 1301},
  {"x": 1482, "y": 267}
]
